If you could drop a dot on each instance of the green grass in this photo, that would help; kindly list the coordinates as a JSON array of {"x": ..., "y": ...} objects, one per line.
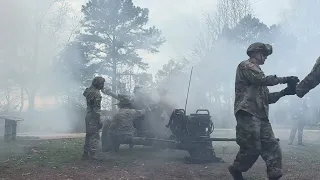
[
  {"x": 52, "y": 153},
  {"x": 57, "y": 153}
]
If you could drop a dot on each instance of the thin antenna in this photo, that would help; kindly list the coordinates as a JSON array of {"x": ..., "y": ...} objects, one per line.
[{"x": 185, "y": 107}]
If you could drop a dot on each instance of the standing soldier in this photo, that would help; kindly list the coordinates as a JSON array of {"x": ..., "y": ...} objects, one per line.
[
  {"x": 310, "y": 81},
  {"x": 254, "y": 133},
  {"x": 298, "y": 124},
  {"x": 93, "y": 123}
]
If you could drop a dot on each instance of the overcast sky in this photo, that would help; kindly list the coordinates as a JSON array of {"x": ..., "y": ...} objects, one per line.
[{"x": 180, "y": 22}]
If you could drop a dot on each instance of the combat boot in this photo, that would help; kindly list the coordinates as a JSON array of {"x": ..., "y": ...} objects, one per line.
[
  {"x": 93, "y": 156},
  {"x": 274, "y": 173},
  {"x": 236, "y": 174},
  {"x": 85, "y": 156}
]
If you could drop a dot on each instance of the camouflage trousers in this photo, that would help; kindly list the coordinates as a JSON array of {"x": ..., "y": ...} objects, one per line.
[
  {"x": 296, "y": 127},
  {"x": 256, "y": 138},
  {"x": 91, "y": 142},
  {"x": 115, "y": 139}
]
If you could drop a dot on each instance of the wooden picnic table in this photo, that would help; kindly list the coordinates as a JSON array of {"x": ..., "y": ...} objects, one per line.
[{"x": 10, "y": 127}]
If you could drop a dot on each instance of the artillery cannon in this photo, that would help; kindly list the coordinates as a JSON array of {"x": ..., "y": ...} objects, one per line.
[{"x": 188, "y": 132}]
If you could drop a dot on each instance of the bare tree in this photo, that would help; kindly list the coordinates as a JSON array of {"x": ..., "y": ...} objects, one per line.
[
  {"x": 32, "y": 39},
  {"x": 226, "y": 15}
]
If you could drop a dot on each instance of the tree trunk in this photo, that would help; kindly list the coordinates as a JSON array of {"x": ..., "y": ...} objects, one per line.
[
  {"x": 114, "y": 85},
  {"x": 32, "y": 93},
  {"x": 31, "y": 98},
  {"x": 22, "y": 99},
  {"x": 114, "y": 74},
  {"x": 8, "y": 98}
]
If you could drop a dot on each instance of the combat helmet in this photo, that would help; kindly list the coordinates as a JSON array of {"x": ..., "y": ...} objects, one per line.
[
  {"x": 265, "y": 49},
  {"x": 124, "y": 100},
  {"x": 98, "y": 81}
]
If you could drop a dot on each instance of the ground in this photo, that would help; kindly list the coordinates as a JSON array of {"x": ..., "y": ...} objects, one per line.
[{"x": 60, "y": 159}]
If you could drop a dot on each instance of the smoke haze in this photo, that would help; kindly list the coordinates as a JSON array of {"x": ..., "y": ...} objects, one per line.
[{"x": 35, "y": 33}]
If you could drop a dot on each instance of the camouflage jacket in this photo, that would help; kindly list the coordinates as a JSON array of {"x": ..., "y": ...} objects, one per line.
[
  {"x": 251, "y": 92},
  {"x": 93, "y": 99},
  {"x": 310, "y": 81},
  {"x": 122, "y": 122}
]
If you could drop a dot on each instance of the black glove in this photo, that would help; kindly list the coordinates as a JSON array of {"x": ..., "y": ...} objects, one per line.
[
  {"x": 288, "y": 91},
  {"x": 291, "y": 80}
]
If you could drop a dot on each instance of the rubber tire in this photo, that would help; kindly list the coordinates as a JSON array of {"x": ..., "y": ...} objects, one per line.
[{"x": 131, "y": 146}]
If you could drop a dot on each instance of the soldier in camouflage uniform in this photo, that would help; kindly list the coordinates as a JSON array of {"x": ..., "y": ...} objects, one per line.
[
  {"x": 298, "y": 124},
  {"x": 121, "y": 126},
  {"x": 92, "y": 119},
  {"x": 310, "y": 81},
  {"x": 254, "y": 133}
]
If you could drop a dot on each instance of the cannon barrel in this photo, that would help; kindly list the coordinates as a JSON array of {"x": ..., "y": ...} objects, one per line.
[
  {"x": 222, "y": 139},
  {"x": 148, "y": 141}
]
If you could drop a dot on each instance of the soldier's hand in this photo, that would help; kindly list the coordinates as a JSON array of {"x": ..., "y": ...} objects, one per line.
[
  {"x": 293, "y": 80},
  {"x": 106, "y": 90},
  {"x": 288, "y": 91}
]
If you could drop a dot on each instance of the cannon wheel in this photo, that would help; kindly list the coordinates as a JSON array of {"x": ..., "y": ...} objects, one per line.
[
  {"x": 130, "y": 146},
  {"x": 116, "y": 146},
  {"x": 107, "y": 143}
]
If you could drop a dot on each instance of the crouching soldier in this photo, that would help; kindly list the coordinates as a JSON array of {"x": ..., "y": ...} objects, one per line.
[{"x": 121, "y": 126}]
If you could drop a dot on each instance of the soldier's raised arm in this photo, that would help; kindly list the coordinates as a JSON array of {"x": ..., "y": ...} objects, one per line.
[
  {"x": 275, "y": 96},
  {"x": 310, "y": 81},
  {"x": 255, "y": 75},
  {"x": 107, "y": 91}
]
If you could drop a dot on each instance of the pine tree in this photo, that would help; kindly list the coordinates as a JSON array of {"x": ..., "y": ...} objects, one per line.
[{"x": 114, "y": 31}]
